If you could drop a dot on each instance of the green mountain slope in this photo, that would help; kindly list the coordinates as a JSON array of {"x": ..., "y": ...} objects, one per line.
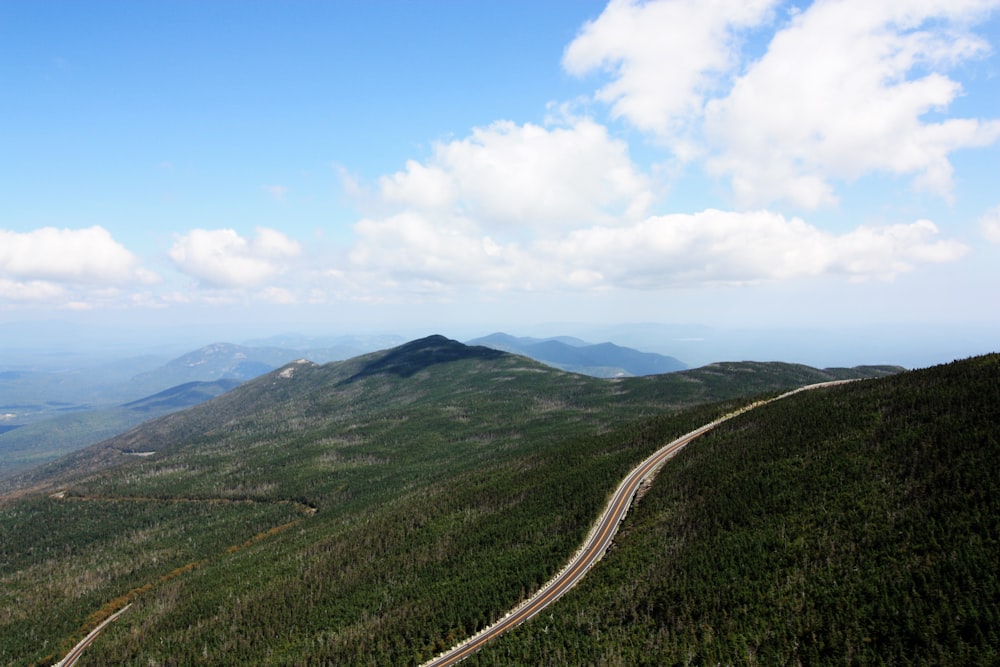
[
  {"x": 854, "y": 525},
  {"x": 360, "y": 512}
]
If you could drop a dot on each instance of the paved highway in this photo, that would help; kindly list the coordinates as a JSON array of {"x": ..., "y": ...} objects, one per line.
[{"x": 597, "y": 542}]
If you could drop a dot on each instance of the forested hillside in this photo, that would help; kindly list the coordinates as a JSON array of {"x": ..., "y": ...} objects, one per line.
[
  {"x": 362, "y": 512},
  {"x": 853, "y": 525}
]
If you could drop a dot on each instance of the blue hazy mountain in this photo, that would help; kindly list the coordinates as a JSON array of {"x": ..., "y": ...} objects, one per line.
[{"x": 578, "y": 356}]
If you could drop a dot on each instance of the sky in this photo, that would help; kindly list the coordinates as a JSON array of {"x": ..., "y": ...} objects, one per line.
[{"x": 446, "y": 166}]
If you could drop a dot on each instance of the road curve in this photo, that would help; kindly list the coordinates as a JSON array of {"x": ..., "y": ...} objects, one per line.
[{"x": 597, "y": 542}]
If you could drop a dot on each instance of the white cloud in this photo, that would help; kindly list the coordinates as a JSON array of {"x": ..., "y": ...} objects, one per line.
[
  {"x": 222, "y": 258},
  {"x": 272, "y": 244},
  {"x": 81, "y": 256},
  {"x": 838, "y": 96},
  {"x": 29, "y": 291},
  {"x": 508, "y": 174},
  {"x": 454, "y": 219},
  {"x": 722, "y": 247},
  {"x": 989, "y": 224},
  {"x": 844, "y": 89},
  {"x": 664, "y": 57},
  {"x": 420, "y": 186},
  {"x": 529, "y": 208},
  {"x": 690, "y": 250},
  {"x": 413, "y": 248}
]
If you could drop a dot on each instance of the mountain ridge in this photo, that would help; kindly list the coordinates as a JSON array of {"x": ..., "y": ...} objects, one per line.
[
  {"x": 572, "y": 354},
  {"x": 283, "y": 386},
  {"x": 419, "y": 354}
]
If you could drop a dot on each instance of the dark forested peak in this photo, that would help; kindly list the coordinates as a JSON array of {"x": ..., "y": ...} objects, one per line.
[{"x": 419, "y": 354}]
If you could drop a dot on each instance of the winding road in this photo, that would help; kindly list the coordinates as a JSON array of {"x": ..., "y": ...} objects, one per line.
[
  {"x": 597, "y": 542},
  {"x": 77, "y": 651}
]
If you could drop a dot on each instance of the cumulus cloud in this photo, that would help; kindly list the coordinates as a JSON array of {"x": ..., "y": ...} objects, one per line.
[
  {"x": 710, "y": 247},
  {"x": 843, "y": 90},
  {"x": 525, "y": 207},
  {"x": 29, "y": 291},
  {"x": 222, "y": 258},
  {"x": 76, "y": 256},
  {"x": 453, "y": 219},
  {"x": 508, "y": 174},
  {"x": 835, "y": 97},
  {"x": 664, "y": 58},
  {"x": 725, "y": 247},
  {"x": 415, "y": 249}
]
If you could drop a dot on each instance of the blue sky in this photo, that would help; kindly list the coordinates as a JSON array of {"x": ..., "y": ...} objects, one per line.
[{"x": 408, "y": 166}]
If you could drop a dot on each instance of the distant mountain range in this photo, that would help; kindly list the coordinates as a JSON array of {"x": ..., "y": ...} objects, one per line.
[
  {"x": 572, "y": 354},
  {"x": 30, "y": 394},
  {"x": 45, "y": 414},
  {"x": 24, "y": 446},
  {"x": 217, "y": 361}
]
